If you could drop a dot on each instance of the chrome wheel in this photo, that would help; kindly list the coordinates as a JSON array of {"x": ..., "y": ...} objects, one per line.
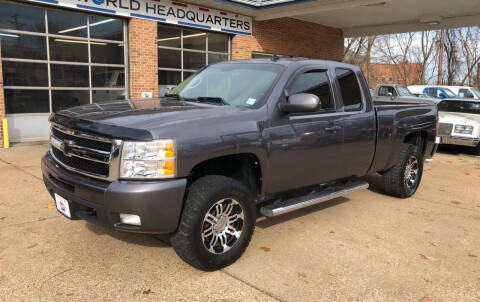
[
  {"x": 411, "y": 172},
  {"x": 222, "y": 226}
]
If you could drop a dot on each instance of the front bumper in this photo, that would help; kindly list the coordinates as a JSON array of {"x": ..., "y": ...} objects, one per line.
[
  {"x": 158, "y": 203},
  {"x": 460, "y": 141}
]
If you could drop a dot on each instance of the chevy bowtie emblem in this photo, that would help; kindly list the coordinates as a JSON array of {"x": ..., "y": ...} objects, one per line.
[{"x": 67, "y": 147}]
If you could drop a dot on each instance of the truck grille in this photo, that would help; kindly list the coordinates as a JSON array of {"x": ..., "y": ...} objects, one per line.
[
  {"x": 83, "y": 153},
  {"x": 445, "y": 129}
]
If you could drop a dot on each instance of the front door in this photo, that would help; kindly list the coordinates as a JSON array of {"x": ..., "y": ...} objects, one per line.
[{"x": 305, "y": 149}]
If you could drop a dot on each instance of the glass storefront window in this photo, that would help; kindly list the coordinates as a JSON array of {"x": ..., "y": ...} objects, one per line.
[
  {"x": 183, "y": 51},
  {"x": 169, "y": 77},
  {"x": 85, "y": 54},
  {"x": 69, "y": 75},
  {"x": 169, "y": 58},
  {"x": 26, "y": 101},
  {"x": 169, "y": 36},
  {"x": 216, "y": 57},
  {"x": 25, "y": 74},
  {"x": 106, "y": 28},
  {"x": 63, "y": 99},
  {"x": 194, "y": 60},
  {"x": 108, "y": 76},
  {"x": 66, "y": 23},
  {"x": 20, "y": 17},
  {"x": 193, "y": 39},
  {"x": 218, "y": 42},
  {"x": 21, "y": 46},
  {"x": 105, "y": 96},
  {"x": 107, "y": 53},
  {"x": 68, "y": 50}
]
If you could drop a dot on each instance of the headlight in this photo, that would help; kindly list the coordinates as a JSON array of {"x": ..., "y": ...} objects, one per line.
[
  {"x": 155, "y": 159},
  {"x": 463, "y": 129}
]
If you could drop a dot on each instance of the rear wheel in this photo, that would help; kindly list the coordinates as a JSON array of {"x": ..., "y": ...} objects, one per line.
[
  {"x": 476, "y": 150},
  {"x": 216, "y": 224},
  {"x": 404, "y": 178}
]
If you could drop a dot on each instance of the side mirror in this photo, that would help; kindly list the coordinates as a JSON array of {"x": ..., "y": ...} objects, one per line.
[
  {"x": 301, "y": 103},
  {"x": 443, "y": 96},
  {"x": 389, "y": 94}
]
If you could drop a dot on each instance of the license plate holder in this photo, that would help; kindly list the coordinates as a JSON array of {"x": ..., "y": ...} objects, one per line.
[{"x": 63, "y": 206}]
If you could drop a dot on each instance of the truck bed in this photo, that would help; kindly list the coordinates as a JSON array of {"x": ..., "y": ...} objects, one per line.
[{"x": 394, "y": 121}]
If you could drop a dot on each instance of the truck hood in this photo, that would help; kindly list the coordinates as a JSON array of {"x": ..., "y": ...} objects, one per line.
[{"x": 138, "y": 120}]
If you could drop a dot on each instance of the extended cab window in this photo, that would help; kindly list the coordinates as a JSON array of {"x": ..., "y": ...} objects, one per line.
[
  {"x": 314, "y": 82},
  {"x": 349, "y": 88}
]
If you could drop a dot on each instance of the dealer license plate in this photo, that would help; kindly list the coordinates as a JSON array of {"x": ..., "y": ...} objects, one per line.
[{"x": 62, "y": 205}]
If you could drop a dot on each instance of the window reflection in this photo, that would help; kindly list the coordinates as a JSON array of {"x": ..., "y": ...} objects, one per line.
[
  {"x": 21, "y": 46},
  {"x": 106, "y": 28},
  {"x": 107, "y": 53},
  {"x": 24, "y": 74},
  {"x": 69, "y": 75},
  {"x": 68, "y": 50},
  {"x": 22, "y": 17},
  {"x": 69, "y": 45},
  {"x": 63, "y": 99},
  {"x": 26, "y": 101},
  {"x": 67, "y": 23}
]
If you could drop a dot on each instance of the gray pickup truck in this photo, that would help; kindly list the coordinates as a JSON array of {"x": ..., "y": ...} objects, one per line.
[
  {"x": 399, "y": 93},
  {"x": 235, "y": 140}
]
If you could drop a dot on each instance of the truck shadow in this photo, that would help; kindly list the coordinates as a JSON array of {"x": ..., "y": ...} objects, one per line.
[
  {"x": 376, "y": 183},
  {"x": 455, "y": 150},
  {"x": 133, "y": 238},
  {"x": 264, "y": 222}
]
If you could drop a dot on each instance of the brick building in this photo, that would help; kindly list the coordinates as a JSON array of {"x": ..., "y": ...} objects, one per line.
[
  {"x": 403, "y": 74},
  {"x": 59, "y": 54}
]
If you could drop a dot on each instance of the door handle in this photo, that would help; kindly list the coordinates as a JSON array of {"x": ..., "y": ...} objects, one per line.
[{"x": 334, "y": 128}]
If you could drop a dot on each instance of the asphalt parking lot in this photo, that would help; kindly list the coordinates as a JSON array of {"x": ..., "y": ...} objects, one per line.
[{"x": 365, "y": 246}]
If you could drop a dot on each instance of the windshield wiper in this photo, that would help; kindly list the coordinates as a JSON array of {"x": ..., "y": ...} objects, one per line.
[{"x": 211, "y": 99}]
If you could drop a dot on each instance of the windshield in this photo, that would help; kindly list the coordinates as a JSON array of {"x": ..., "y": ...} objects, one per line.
[
  {"x": 237, "y": 84},
  {"x": 475, "y": 92},
  {"x": 403, "y": 91},
  {"x": 459, "y": 106},
  {"x": 449, "y": 92}
]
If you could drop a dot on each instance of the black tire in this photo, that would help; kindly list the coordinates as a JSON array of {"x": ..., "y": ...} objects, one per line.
[
  {"x": 395, "y": 180},
  {"x": 476, "y": 150},
  {"x": 203, "y": 195}
]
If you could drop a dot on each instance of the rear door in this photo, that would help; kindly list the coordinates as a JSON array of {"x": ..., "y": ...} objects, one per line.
[
  {"x": 359, "y": 122},
  {"x": 305, "y": 149}
]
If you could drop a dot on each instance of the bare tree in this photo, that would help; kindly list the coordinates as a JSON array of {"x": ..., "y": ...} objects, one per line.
[
  {"x": 428, "y": 43},
  {"x": 358, "y": 51},
  {"x": 397, "y": 50},
  {"x": 470, "y": 50},
  {"x": 451, "y": 51}
]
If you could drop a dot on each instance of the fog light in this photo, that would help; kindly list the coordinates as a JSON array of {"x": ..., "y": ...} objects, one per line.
[{"x": 130, "y": 219}]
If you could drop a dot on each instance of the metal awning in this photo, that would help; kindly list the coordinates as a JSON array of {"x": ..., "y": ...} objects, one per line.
[{"x": 362, "y": 17}]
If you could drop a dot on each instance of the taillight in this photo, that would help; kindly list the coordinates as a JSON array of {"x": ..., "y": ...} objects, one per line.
[{"x": 438, "y": 124}]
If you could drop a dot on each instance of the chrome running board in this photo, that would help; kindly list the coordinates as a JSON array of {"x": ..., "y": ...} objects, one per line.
[{"x": 289, "y": 205}]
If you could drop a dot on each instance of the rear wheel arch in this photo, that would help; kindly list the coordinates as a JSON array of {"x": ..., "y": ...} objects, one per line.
[{"x": 417, "y": 138}]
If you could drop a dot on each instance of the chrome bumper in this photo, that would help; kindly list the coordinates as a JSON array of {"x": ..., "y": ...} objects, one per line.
[{"x": 460, "y": 141}]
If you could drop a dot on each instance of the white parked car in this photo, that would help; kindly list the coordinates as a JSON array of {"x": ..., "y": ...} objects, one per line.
[
  {"x": 465, "y": 91},
  {"x": 460, "y": 123}
]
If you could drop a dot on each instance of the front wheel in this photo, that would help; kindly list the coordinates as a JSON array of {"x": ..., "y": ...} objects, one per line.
[
  {"x": 217, "y": 223},
  {"x": 403, "y": 179}
]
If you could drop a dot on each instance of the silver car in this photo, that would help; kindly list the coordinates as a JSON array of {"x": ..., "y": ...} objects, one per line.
[{"x": 460, "y": 123}]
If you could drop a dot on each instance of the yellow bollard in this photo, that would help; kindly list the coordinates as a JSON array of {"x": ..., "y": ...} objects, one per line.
[{"x": 6, "y": 141}]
